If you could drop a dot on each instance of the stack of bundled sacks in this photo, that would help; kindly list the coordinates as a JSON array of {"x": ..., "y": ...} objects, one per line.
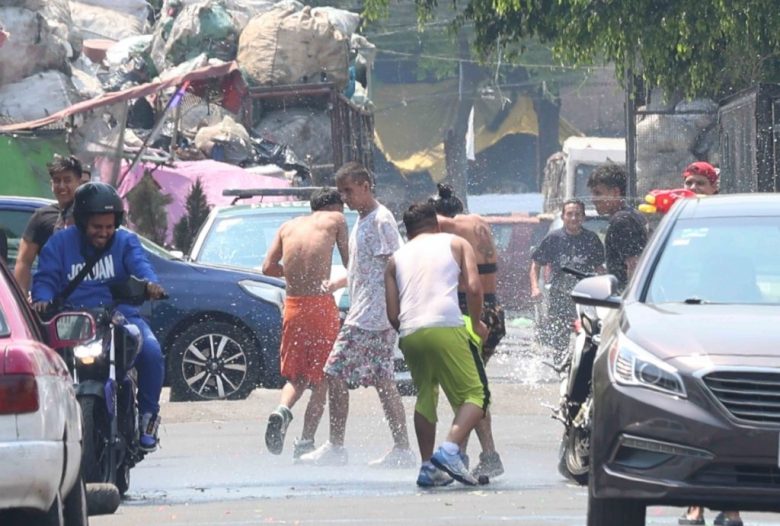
[{"x": 43, "y": 69}]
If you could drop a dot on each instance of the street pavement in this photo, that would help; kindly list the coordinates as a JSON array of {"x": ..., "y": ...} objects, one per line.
[{"x": 213, "y": 467}]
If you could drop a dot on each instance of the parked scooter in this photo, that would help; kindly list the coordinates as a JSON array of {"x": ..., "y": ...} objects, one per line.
[
  {"x": 106, "y": 388},
  {"x": 574, "y": 407}
]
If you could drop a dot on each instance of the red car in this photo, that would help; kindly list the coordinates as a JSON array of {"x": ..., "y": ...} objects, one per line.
[
  {"x": 515, "y": 236},
  {"x": 40, "y": 419}
]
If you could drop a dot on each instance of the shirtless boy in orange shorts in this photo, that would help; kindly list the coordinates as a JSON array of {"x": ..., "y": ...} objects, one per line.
[{"x": 311, "y": 318}]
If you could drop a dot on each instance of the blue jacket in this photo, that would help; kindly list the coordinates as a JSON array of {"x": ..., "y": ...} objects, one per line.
[{"x": 66, "y": 252}]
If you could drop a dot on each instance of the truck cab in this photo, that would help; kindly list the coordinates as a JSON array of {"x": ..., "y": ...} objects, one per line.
[{"x": 566, "y": 173}]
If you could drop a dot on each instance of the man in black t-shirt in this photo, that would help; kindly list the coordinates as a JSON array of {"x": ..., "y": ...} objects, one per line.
[
  {"x": 570, "y": 246},
  {"x": 627, "y": 232},
  {"x": 66, "y": 175}
]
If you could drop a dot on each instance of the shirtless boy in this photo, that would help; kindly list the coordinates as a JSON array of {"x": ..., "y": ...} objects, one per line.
[
  {"x": 311, "y": 318},
  {"x": 474, "y": 229}
]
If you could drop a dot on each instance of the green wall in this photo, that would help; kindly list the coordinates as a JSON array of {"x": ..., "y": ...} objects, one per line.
[{"x": 23, "y": 161}]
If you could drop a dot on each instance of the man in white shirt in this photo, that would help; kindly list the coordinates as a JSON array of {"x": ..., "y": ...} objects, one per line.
[{"x": 363, "y": 352}]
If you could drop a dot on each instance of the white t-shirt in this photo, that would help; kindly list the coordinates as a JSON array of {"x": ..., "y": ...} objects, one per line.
[
  {"x": 427, "y": 277},
  {"x": 372, "y": 241}
]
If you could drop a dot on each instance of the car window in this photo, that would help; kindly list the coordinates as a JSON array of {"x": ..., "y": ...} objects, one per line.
[
  {"x": 502, "y": 236},
  {"x": 719, "y": 260},
  {"x": 13, "y": 223},
  {"x": 581, "y": 175},
  {"x": 243, "y": 241}
]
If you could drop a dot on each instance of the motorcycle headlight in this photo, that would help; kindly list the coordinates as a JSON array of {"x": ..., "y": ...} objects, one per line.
[
  {"x": 629, "y": 364},
  {"x": 264, "y": 291},
  {"x": 88, "y": 352}
]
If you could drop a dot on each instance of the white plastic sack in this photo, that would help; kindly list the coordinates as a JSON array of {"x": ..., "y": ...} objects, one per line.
[
  {"x": 346, "y": 22},
  {"x": 231, "y": 135},
  {"x": 36, "y": 43},
  {"x": 138, "y": 9},
  {"x": 37, "y": 96},
  {"x": 100, "y": 22},
  {"x": 285, "y": 46},
  {"x": 121, "y": 52},
  {"x": 196, "y": 113}
]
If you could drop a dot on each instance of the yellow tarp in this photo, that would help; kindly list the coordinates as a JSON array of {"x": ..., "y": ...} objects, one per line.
[{"x": 411, "y": 120}]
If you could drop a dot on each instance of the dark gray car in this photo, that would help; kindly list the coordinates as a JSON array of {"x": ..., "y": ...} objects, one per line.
[{"x": 687, "y": 378}]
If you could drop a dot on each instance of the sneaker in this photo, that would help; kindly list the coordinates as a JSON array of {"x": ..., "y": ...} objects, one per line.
[
  {"x": 465, "y": 458},
  {"x": 489, "y": 465},
  {"x": 325, "y": 455},
  {"x": 301, "y": 447},
  {"x": 396, "y": 458},
  {"x": 721, "y": 520},
  {"x": 276, "y": 429},
  {"x": 431, "y": 477},
  {"x": 453, "y": 465},
  {"x": 148, "y": 432}
]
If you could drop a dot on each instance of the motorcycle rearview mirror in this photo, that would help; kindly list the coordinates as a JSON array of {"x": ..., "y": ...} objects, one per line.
[
  {"x": 598, "y": 291},
  {"x": 69, "y": 329}
]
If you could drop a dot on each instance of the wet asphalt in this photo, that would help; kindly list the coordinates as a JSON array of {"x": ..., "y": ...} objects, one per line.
[{"x": 213, "y": 468}]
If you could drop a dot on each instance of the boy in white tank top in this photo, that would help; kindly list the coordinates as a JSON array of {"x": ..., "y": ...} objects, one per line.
[{"x": 421, "y": 284}]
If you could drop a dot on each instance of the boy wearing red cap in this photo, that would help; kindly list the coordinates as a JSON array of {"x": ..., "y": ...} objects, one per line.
[{"x": 701, "y": 177}]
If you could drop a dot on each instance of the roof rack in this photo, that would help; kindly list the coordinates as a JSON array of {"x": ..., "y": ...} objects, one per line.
[{"x": 303, "y": 192}]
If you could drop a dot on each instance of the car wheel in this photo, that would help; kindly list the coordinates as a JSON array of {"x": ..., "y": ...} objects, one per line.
[
  {"x": 611, "y": 512},
  {"x": 213, "y": 360},
  {"x": 95, "y": 451},
  {"x": 574, "y": 462},
  {"x": 76, "y": 505}
]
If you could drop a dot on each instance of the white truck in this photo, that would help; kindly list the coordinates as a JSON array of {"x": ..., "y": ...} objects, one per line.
[{"x": 566, "y": 172}]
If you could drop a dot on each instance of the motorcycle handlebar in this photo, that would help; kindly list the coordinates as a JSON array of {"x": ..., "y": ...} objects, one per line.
[{"x": 577, "y": 273}]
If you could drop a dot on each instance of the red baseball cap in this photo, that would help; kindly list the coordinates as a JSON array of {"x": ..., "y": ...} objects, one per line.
[{"x": 702, "y": 168}]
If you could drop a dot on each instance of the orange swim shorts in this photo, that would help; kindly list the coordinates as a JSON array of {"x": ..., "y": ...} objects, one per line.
[{"x": 310, "y": 326}]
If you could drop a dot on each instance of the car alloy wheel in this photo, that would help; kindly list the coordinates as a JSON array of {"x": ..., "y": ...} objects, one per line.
[{"x": 213, "y": 361}]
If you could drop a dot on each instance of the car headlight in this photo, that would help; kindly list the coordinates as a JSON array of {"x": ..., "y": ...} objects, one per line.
[
  {"x": 88, "y": 352},
  {"x": 629, "y": 364},
  {"x": 264, "y": 291}
]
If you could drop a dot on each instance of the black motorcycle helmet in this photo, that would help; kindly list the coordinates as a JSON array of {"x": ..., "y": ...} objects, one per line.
[{"x": 96, "y": 198}]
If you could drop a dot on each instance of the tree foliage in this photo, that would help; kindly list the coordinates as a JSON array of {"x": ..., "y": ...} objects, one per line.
[
  {"x": 198, "y": 209},
  {"x": 695, "y": 47},
  {"x": 147, "y": 209}
]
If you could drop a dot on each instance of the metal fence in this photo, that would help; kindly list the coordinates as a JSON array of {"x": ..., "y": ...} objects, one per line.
[{"x": 749, "y": 126}]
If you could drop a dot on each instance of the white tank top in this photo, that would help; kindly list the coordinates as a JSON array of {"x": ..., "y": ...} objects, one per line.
[{"x": 427, "y": 277}]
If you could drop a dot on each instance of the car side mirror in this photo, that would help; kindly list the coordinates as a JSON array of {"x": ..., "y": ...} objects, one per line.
[
  {"x": 598, "y": 291},
  {"x": 68, "y": 329}
]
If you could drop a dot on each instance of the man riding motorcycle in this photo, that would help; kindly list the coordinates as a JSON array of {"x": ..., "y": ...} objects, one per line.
[{"x": 116, "y": 254}]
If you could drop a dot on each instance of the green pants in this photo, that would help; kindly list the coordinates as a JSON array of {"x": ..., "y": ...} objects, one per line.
[{"x": 446, "y": 357}]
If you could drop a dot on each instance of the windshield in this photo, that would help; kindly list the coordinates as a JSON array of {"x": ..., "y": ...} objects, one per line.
[
  {"x": 719, "y": 260},
  {"x": 243, "y": 241}
]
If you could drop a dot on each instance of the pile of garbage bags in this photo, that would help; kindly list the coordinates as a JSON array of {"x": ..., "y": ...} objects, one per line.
[{"x": 80, "y": 49}]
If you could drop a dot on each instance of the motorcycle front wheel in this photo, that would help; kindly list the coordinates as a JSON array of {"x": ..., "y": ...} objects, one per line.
[
  {"x": 574, "y": 455},
  {"x": 95, "y": 455}
]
